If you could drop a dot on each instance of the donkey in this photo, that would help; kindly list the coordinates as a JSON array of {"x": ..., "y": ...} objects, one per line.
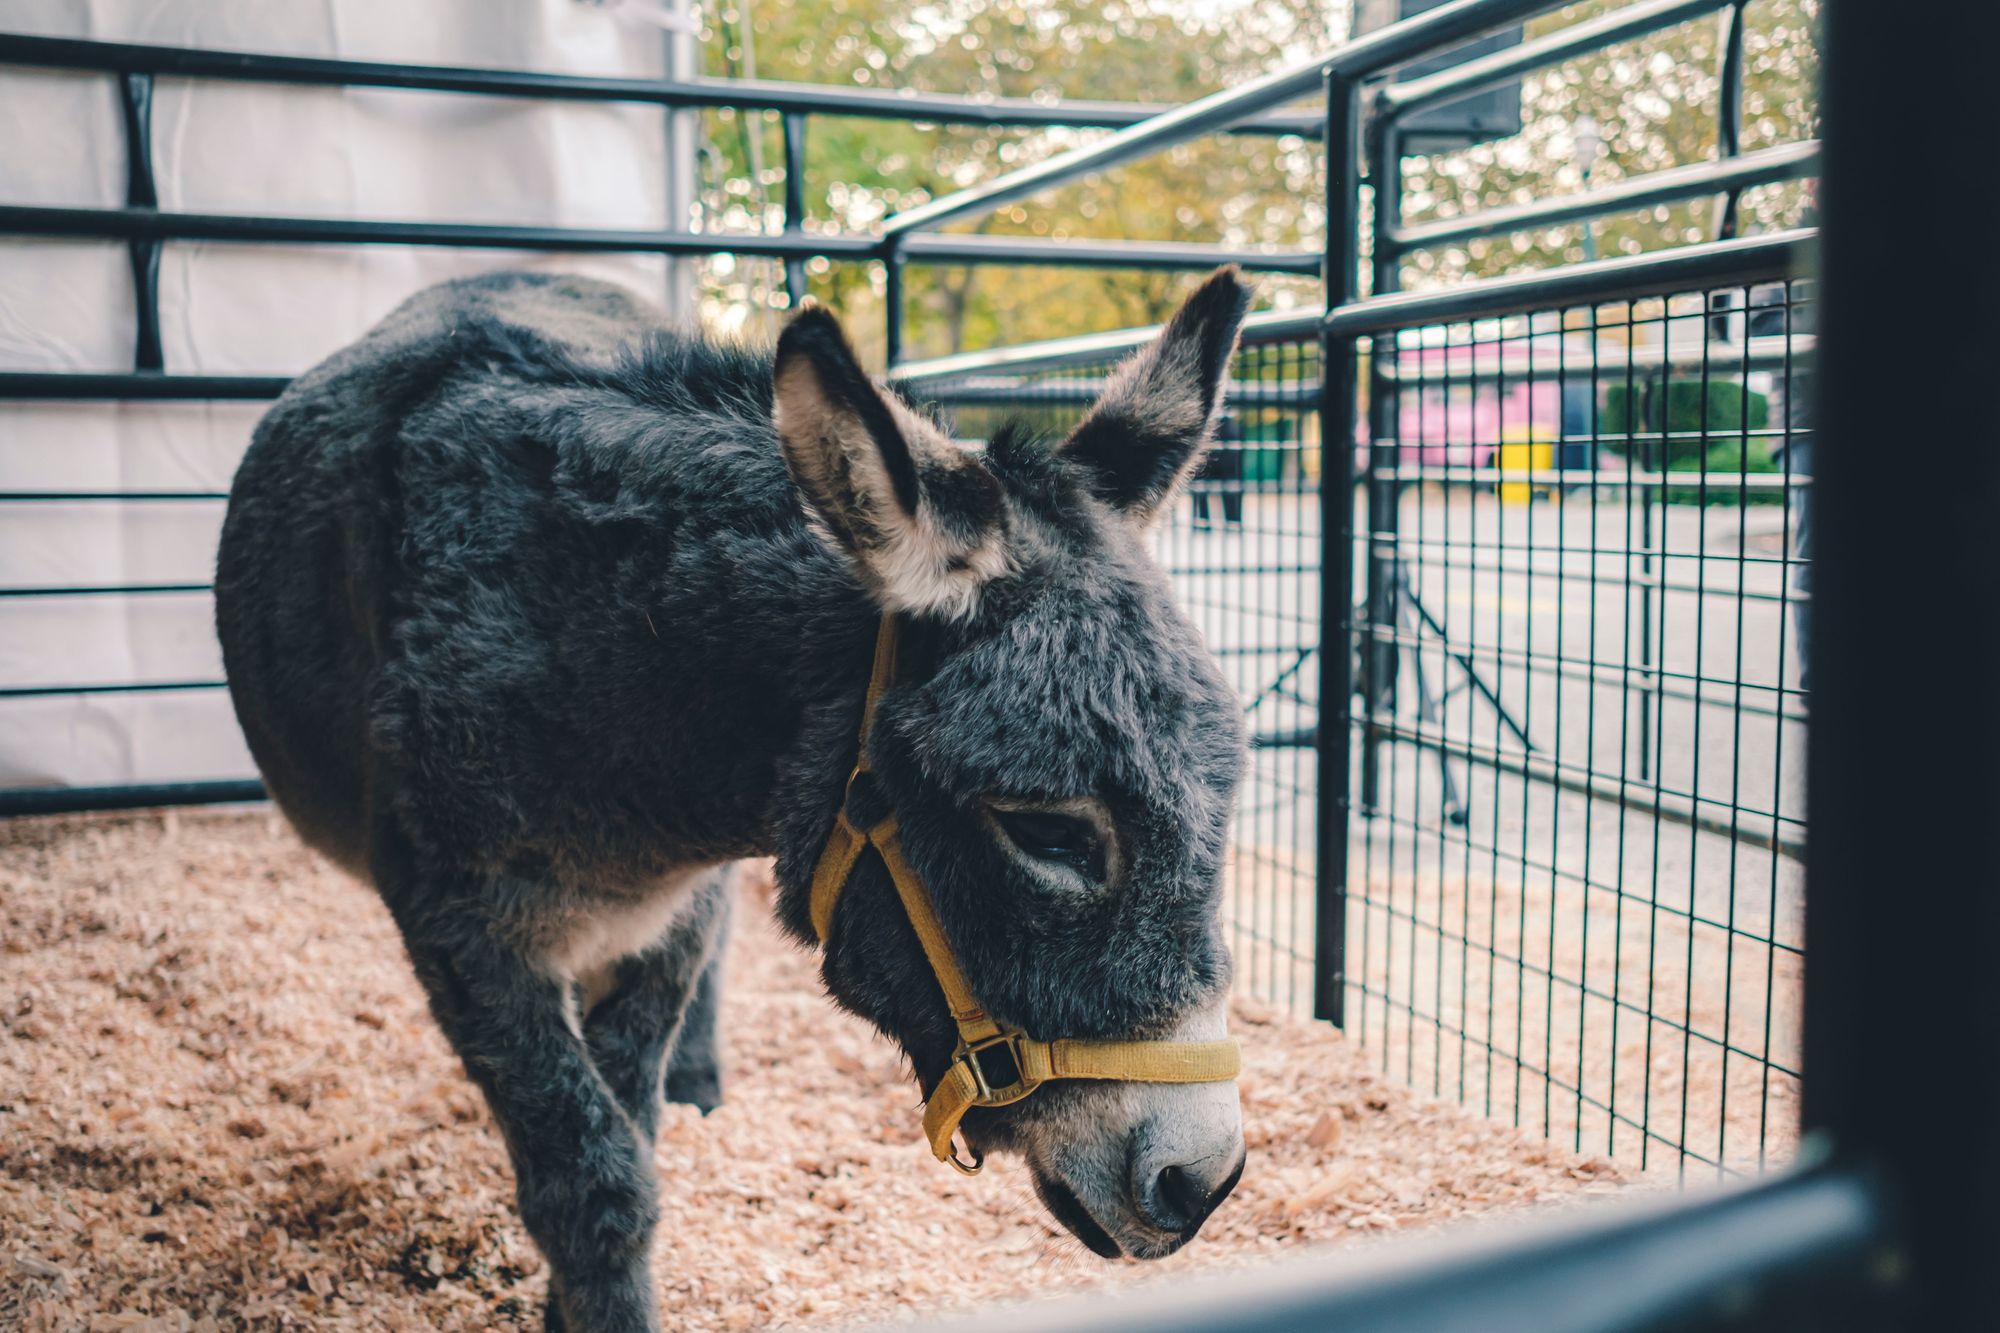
[{"x": 538, "y": 615}]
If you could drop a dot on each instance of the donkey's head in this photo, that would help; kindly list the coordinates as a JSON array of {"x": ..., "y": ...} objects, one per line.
[{"x": 1058, "y": 750}]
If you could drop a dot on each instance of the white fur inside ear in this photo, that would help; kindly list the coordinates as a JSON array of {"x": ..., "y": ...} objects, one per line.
[
  {"x": 920, "y": 567},
  {"x": 909, "y": 561},
  {"x": 920, "y": 570}
]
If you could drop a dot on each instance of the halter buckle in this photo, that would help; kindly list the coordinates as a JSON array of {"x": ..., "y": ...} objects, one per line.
[{"x": 996, "y": 1068}]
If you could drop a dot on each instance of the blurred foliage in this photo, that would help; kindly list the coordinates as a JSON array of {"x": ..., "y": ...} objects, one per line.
[
  {"x": 1654, "y": 100},
  {"x": 1704, "y": 426}
]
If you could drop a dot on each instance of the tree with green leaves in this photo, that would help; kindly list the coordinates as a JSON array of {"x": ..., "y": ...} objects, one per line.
[{"x": 1654, "y": 99}]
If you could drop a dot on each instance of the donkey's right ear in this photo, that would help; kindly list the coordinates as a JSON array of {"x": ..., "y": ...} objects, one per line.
[
  {"x": 921, "y": 518},
  {"x": 1148, "y": 429}
]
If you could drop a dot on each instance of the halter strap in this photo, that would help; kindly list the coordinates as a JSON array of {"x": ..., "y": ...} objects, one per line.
[{"x": 995, "y": 1064}]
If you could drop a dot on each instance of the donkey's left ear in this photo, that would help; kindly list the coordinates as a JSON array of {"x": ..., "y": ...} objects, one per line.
[
  {"x": 1150, "y": 425},
  {"x": 919, "y": 517}
]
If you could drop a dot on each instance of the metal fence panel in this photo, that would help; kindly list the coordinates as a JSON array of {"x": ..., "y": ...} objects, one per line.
[{"x": 1576, "y": 899}]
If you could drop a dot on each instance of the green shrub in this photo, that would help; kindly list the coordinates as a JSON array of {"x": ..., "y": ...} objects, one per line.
[{"x": 1718, "y": 438}]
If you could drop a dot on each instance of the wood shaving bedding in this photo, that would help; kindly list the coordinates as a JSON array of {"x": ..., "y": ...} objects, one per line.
[{"x": 223, "y": 1105}]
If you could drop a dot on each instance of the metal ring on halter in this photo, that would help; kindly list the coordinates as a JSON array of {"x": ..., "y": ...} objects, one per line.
[{"x": 966, "y": 1168}]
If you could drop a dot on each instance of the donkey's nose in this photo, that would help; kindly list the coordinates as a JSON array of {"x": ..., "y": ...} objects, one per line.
[{"x": 1180, "y": 1196}]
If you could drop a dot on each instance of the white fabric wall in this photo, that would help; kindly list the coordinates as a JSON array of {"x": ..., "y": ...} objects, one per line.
[{"x": 249, "y": 148}]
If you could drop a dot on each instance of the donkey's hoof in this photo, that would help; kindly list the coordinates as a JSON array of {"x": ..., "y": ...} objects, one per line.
[{"x": 699, "y": 1088}]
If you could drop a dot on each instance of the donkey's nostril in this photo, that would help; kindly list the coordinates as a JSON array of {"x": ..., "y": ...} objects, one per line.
[{"x": 1181, "y": 1196}]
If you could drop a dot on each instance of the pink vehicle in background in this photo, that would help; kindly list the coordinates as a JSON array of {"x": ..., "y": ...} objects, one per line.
[{"x": 1457, "y": 405}]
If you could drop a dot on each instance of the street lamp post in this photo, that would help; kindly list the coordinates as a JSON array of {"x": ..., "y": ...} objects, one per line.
[{"x": 1589, "y": 145}]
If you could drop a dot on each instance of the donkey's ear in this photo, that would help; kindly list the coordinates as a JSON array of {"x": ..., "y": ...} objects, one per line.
[
  {"x": 1153, "y": 420},
  {"x": 920, "y": 517}
]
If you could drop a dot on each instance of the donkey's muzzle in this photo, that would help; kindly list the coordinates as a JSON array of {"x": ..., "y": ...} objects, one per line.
[{"x": 1180, "y": 1196}]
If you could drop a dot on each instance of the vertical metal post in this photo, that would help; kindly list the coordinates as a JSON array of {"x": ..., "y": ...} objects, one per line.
[
  {"x": 683, "y": 148},
  {"x": 1902, "y": 1013},
  {"x": 135, "y": 96},
  {"x": 1332, "y": 737},
  {"x": 1385, "y": 173},
  {"x": 795, "y": 203},
  {"x": 1639, "y": 409},
  {"x": 1729, "y": 115},
  {"x": 892, "y": 302}
]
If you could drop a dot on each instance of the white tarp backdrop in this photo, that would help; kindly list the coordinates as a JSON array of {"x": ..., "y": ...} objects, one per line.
[{"x": 232, "y": 147}]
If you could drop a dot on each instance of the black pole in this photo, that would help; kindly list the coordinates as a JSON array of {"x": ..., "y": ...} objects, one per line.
[
  {"x": 1336, "y": 535},
  {"x": 1902, "y": 1031},
  {"x": 1729, "y": 116},
  {"x": 795, "y": 204},
  {"x": 892, "y": 303},
  {"x": 135, "y": 97},
  {"x": 1385, "y": 176}
]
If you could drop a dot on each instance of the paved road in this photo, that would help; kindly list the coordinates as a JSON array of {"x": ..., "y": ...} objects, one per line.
[{"x": 1537, "y": 582}]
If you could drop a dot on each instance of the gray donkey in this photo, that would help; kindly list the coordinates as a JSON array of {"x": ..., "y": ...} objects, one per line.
[{"x": 538, "y": 615}]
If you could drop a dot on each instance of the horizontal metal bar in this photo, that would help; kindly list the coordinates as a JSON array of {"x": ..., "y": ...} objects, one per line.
[
  {"x": 132, "y": 687},
  {"x": 1504, "y": 66},
  {"x": 1764, "y": 353},
  {"x": 742, "y": 94},
  {"x": 108, "y": 590},
  {"x": 1708, "y": 691},
  {"x": 150, "y": 224},
  {"x": 954, "y": 249},
  {"x": 1688, "y": 268},
  {"x": 1447, "y": 25},
  {"x": 997, "y": 391},
  {"x": 1515, "y": 357},
  {"x": 17, "y": 801},
  {"x": 1813, "y": 1249},
  {"x": 1718, "y": 480},
  {"x": 1786, "y": 162},
  {"x": 1637, "y": 579},
  {"x": 1645, "y": 902},
  {"x": 135, "y": 386},
  {"x": 121, "y": 497},
  {"x": 1633, "y": 797},
  {"x": 1088, "y": 348}
]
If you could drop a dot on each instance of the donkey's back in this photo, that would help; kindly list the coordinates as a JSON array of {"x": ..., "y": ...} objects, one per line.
[{"x": 432, "y": 526}]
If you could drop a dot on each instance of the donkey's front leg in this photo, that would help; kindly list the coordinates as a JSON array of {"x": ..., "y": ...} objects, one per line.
[
  {"x": 694, "y": 1073},
  {"x": 656, "y": 1004},
  {"x": 583, "y": 1180}
]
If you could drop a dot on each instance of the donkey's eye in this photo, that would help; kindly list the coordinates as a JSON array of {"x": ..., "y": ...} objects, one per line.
[{"x": 1059, "y": 838}]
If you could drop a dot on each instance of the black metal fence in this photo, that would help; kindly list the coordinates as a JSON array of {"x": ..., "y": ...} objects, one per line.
[
  {"x": 1519, "y": 766},
  {"x": 1513, "y": 577},
  {"x": 1575, "y": 897}
]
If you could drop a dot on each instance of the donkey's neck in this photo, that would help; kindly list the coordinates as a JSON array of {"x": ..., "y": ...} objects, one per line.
[{"x": 752, "y": 662}]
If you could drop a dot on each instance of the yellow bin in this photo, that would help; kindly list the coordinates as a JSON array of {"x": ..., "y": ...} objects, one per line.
[{"x": 1520, "y": 451}]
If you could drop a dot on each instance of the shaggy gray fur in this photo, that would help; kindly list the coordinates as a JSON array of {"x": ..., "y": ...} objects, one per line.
[{"x": 527, "y": 623}]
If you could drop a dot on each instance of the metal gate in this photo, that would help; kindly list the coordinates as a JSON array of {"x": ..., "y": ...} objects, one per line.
[{"x": 1514, "y": 578}]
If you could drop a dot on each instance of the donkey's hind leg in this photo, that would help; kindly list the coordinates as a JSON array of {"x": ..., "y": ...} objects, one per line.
[
  {"x": 694, "y": 1070},
  {"x": 584, "y": 1183},
  {"x": 655, "y": 996}
]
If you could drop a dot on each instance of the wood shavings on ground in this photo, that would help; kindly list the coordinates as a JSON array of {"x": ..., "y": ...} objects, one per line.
[{"x": 223, "y": 1105}]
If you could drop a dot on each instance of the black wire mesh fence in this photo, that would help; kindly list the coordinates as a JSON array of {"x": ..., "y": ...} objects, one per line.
[
  {"x": 1576, "y": 896},
  {"x": 1574, "y": 892}
]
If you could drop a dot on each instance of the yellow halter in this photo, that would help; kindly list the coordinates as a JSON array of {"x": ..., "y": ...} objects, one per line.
[{"x": 995, "y": 1065}]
